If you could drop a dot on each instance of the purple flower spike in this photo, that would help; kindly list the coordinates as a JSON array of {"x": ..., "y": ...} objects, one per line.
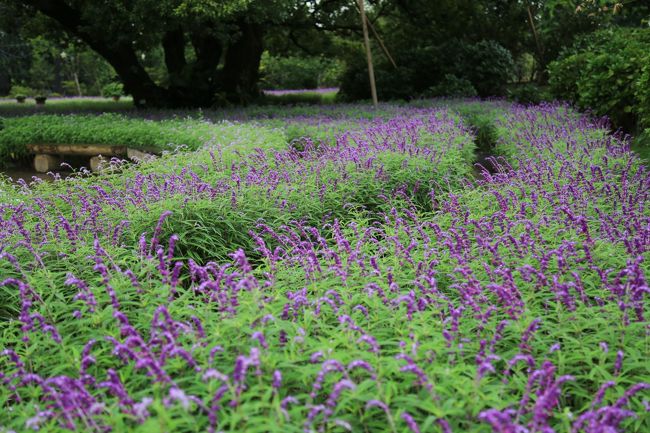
[
  {"x": 277, "y": 380},
  {"x": 618, "y": 365},
  {"x": 410, "y": 422}
]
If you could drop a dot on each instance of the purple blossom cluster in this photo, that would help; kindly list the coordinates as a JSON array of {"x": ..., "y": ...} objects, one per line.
[{"x": 516, "y": 302}]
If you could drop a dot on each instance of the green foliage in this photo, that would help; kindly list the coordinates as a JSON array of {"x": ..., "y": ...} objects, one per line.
[
  {"x": 642, "y": 95},
  {"x": 67, "y": 106},
  {"x": 112, "y": 90},
  {"x": 487, "y": 65},
  {"x": 482, "y": 118},
  {"x": 42, "y": 72},
  {"x": 452, "y": 86},
  {"x": 298, "y": 72},
  {"x": 117, "y": 130},
  {"x": 17, "y": 90},
  {"x": 15, "y": 57},
  {"x": 209, "y": 229},
  {"x": 604, "y": 72},
  {"x": 392, "y": 84},
  {"x": 528, "y": 93}
]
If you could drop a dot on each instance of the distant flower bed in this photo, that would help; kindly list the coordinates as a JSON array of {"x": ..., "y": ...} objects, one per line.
[{"x": 300, "y": 91}]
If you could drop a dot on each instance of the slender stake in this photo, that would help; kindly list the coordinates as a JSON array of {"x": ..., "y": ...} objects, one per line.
[
  {"x": 538, "y": 44},
  {"x": 366, "y": 40},
  {"x": 381, "y": 44}
]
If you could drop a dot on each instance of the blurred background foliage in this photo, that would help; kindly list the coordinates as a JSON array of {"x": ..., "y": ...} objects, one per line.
[{"x": 593, "y": 53}]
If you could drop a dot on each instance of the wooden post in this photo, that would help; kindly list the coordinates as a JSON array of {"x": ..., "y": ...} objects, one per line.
[
  {"x": 381, "y": 44},
  {"x": 538, "y": 44},
  {"x": 366, "y": 40}
]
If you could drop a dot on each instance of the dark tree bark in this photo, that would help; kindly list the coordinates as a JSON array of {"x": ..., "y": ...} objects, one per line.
[
  {"x": 240, "y": 72},
  {"x": 173, "y": 43},
  {"x": 192, "y": 84}
]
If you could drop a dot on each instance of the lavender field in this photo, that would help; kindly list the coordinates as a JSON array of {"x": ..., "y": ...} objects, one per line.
[{"x": 360, "y": 273}]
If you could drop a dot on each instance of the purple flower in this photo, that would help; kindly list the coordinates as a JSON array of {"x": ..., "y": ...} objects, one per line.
[
  {"x": 618, "y": 365},
  {"x": 277, "y": 380},
  {"x": 35, "y": 422},
  {"x": 178, "y": 395},
  {"x": 410, "y": 422},
  {"x": 140, "y": 408}
]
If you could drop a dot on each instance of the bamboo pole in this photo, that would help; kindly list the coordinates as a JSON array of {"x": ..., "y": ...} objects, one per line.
[
  {"x": 366, "y": 40},
  {"x": 381, "y": 44},
  {"x": 538, "y": 43}
]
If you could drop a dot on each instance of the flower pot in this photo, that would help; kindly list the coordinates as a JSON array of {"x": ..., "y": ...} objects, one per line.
[
  {"x": 116, "y": 98},
  {"x": 20, "y": 99},
  {"x": 40, "y": 100}
]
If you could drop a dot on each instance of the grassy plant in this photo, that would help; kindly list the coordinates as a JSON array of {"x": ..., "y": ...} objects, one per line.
[{"x": 113, "y": 129}]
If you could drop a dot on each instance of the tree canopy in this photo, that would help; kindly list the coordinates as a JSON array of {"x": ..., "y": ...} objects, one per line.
[{"x": 193, "y": 53}]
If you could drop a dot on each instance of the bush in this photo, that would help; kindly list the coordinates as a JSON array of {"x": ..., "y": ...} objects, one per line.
[
  {"x": 452, "y": 86},
  {"x": 69, "y": 88},
  {"x": 298, "y": 72},
  {"x": 642, "y": 95},
  {"x": 487, "y": 65},
  {"x": 528, "y": 93},
  {"x": 400, "y": 83},
  {"x": 17, "y": 90},
  {"x": 605, "y": 72},
  {"x": 113, "y": 90}
]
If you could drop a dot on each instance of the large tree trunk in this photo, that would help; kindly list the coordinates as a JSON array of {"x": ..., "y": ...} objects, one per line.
[
  {"x": 241, "y": 70},
  {"x": 135, "y": 79},
  {"x": 194, "y": 84}
]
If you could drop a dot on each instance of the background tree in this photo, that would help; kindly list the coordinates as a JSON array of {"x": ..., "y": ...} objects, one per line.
[{"x": 209, "y": 47}]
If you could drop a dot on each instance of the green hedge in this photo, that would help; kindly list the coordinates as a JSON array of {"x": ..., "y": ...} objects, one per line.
[
  {"x": 114, "y": 130},
  {"x": 608, "y": 73}
]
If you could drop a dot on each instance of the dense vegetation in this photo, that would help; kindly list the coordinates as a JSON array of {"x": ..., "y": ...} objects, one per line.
[
  {"x": 358, "y": 277},
  {"x": 183, "y": 53},
  {"x": 607, "y": 72},
  {"x": 292, "y": 263},
  {"x": 114, "y": 129}
]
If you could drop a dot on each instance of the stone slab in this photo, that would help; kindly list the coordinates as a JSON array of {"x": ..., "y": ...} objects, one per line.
[
  {"x": 99, "y": 163},
  {"x": 44, "y": 163},
  {"x": 77, "y": 149}
]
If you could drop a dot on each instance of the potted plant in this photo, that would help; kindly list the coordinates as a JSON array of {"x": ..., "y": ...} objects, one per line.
[
  {"x": 21, "y": 99},
  {"x": 113, "y": 90},
  {"x": 40, "y": 99}
]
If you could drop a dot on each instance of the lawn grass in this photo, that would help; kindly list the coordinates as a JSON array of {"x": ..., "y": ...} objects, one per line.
[
  {"x": 116, "y": 129},
  {"x": 9, "y": 107}
]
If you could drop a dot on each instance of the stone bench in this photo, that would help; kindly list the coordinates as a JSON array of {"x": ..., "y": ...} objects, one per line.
[{"x": 48, "y": 157}]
